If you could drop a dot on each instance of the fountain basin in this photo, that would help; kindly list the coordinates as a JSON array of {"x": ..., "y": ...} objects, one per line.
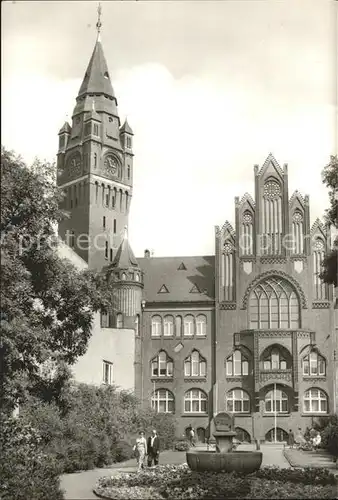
[{"x": 244, "y": 462}]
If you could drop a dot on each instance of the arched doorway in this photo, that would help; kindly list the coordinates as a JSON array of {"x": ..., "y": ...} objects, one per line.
[
  {"x": 200, "y": 434},
  {"x": 282, "y": 435},
  {"x": 242, "y": 435},
  {"x": 187, "y": 432}
]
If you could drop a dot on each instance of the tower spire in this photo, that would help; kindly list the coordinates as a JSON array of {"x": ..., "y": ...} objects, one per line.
[{"x": 99, "y": 24}]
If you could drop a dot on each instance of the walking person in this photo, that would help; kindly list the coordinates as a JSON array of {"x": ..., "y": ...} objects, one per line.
[
  {"x": 141, "y": 450},
  {"x": 153, "y": 447},
  {"x": 291, "y": 439},
  {"x": 192, "y": 436}
]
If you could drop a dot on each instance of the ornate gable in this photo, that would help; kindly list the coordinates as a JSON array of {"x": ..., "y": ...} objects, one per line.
[
  {"x": 297, "y": 199},
  {"x": 247, "y": 200},
  {"x": 228, "y": 231},
  {"x": 318, "y": 228},
  {"x": 271, "y": 166}
]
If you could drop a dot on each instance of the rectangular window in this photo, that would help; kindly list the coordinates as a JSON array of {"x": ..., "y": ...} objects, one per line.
[
  {"x": 107, "y": 200},
  {"x": 114, "y": 226},
  {"x": 107, "y": 376},
  {"x": 203, "y": 369},
  {"x": 111, "y": 255},
  {"x": 106, "y": 250},
  {"x": 245, "y": 368},
  {"x": 229, "y": 368},
  {"x": 104, "y": 222},
  {"x": 61, "y": 141},
  {"x": 170, "y": 369},
  {"x": 195, "y": 369}
]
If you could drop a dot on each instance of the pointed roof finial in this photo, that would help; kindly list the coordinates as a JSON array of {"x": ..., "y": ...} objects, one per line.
[{"x": 99, "y": 24}]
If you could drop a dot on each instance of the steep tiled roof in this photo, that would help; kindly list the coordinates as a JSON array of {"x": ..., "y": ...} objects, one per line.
[
  {"x": 126, "y": 128},
  {"x": 124, "y": 257},
  {"x": 159, "y": 271},
  {"x": 97, "y": 79},
  {"x": 65, "y": 128}
]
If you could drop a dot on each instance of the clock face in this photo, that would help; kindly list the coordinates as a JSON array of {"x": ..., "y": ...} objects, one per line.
[
  {"x": 110, "y": 164},
  {"x": 74, "y": 165}
]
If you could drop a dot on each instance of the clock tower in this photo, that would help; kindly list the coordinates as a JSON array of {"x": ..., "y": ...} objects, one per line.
[{"x": 95, "y": 167}]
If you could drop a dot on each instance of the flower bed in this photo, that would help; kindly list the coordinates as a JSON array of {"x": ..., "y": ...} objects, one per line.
[{"x": 178, "y": 482}]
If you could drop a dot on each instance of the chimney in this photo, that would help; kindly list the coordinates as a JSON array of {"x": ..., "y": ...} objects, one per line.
[{"x": 147, "y": 254}]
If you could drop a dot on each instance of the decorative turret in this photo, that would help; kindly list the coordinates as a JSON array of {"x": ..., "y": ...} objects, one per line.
[
  {"x": 126, "y": 281},
  {"x": 64, "y": 135},
  {"x": 126, "y": 135}
]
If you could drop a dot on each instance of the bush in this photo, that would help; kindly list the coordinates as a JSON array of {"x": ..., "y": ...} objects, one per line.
[
  {"x": 26, "y": 472},
  {"x": 180, "y": 483},
  {"x": 94, "y": 427},
  {"x": 182, "y": 446},
  {"x": 309, "y": 475},
  {"x": 123, "y": 451}
]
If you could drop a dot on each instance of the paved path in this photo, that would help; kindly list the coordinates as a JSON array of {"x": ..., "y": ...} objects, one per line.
[
  {"x": 320, "y": 458},
  {"x": 79, "y": 485}
]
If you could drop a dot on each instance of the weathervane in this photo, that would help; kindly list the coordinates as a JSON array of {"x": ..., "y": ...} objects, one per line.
[{"x": 99, "y": 24}]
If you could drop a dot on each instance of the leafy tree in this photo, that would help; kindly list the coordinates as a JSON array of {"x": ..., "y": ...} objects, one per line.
[
  {"x": 47, "y": 304},
  {"x": 330, "y": 179}
]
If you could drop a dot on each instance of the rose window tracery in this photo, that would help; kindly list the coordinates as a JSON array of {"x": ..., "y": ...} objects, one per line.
[{"x": 272, "y": 190}]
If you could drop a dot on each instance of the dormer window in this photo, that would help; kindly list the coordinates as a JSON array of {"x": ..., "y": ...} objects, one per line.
[
  {"x": 128, "y": 172},
  {"x": 96, "y": 129},
  {"x": 128, "y": 142}
]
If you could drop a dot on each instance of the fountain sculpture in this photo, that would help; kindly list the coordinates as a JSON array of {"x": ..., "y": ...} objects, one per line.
[{"x": 224, "y": 459}]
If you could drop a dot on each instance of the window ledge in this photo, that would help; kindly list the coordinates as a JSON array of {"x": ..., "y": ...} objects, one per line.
[
  {"x": 271, "y": 415},
  {"x": 314, "y": 377},
  {"x": 314, "y": 414},
  {"x": 162, "y": 379},
  {"x": 195, "y": 379},
  {"x": 189, "y": 415}
]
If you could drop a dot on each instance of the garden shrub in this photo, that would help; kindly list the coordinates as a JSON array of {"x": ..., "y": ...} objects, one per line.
[
  {"x": 98, "y": 427},
  {"x": 309, "y": 475},
  {"x": 182, "y": 446},
  {"x": 26, "y": 471}
]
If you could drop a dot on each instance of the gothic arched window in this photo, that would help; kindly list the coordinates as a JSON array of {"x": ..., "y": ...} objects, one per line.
[
  {"x": 195, "y": 401},
  {"x": 163, "y": 401},
  {"x": 276, "y": 402},
  {"x": 314, "y": 364},
  {"x": 195, "y": 365},
  {"x": 238, "y": 401},
  {"x": 318, "y": 257},
  {"x": 298, "y": 232},
  {"x": 162, "y": 365},
  {"x": 274, "y": 304},
  {"x": 246, "y": 243},
  {"x": 228, "y": 270},
  {"x": 315, "y": 401},
  {"x": 237, "y": 364},
  {"x": 275, "y": 358},
  {"x": 272, "y": 217}
]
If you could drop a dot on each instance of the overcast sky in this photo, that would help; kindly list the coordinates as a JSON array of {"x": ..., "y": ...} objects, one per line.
[{"x": 210, "y": 89}]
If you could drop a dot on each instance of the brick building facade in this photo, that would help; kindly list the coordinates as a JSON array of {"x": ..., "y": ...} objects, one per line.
[{"x": 249, "y": 330}]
